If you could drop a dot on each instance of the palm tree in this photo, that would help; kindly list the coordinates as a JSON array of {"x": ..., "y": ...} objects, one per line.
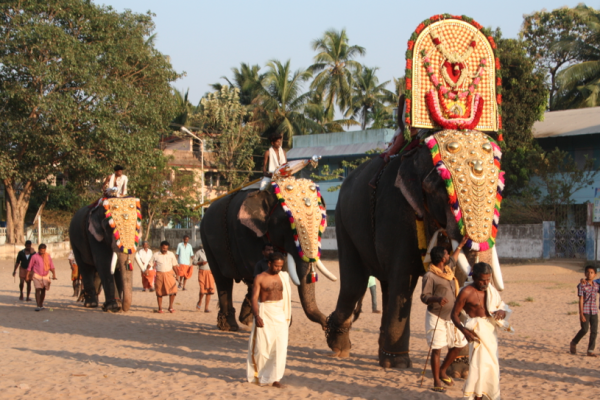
[
  {"x": 280, "y": 104},
  {"x": 184, "y": 108},
  {"x": 247, "y": 79},
  {"x": 315, "y": 110},
  {"x": 579, "y": 84},
  {"x": 334, "y": 64},
  {"x": 369, "y": 94}
]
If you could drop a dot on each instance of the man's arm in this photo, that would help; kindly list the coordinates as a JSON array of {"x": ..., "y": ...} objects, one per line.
[
  {"x": 266, "y": 164},
  {"x": 125, "y": 179},
  {"x": 458, "y": 307},
  {"x": 427, "y": 292},
  {"x": 255, "y": 295},
  {"x": 17, "y": 264},
  {"x": 581, "y": 316},
  {"x": 459, "y": 248}
]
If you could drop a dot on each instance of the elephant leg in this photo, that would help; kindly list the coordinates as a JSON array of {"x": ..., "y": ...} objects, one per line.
[
  {"x": 102, "y": 260},
  {"x": 354, "y": 279},
  {"x": 396, "y": 324},
  {"x": 246, "y": 311},
  {"x": 384, "y": 310},
  {"x": 226, "y": 316},
  {"x": 88, "y": 275}
]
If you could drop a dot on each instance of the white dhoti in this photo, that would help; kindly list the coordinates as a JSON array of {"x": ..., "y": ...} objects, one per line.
[
  {"x": 484, "y": 368},
  {"x": 267, "y": 348},
  {"x": 444, "y": 334}
]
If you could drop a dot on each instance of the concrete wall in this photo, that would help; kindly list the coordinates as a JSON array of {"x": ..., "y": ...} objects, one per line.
[
  {"x": 174, "y": 237},
  {"x": 56, "y": 250},
  {"x": 343, "y": 138},
  {"x": 520, "y": 241}
]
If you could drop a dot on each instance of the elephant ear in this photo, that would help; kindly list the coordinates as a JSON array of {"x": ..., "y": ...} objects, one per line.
[
  {"x": 95, "y": 224},
  {"x": 255, "y": 210},
  {"x": 409, "y": 182}
]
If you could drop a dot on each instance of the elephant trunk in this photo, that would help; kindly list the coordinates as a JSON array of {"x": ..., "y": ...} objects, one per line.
[
  {"x": 124, "y": 280},
  {"x": 490, "y": 257},
  {"x": 306, "y": 291}
]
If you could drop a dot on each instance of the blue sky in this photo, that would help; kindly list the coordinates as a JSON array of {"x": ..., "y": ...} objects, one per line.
[{"x": 207, "y": 38}]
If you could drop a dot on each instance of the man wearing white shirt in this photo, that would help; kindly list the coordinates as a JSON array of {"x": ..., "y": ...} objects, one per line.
[
  {"x": 185, "y": 253},
  {"x": 164, "y": 261},
  {"x": 117, "y": 180},
  {"x": 142, "y": 258}
]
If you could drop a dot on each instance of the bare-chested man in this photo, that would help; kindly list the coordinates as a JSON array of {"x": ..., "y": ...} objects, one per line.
[
  {"x": 486, "y": 313},
  {"x": 272, "y": 308}
]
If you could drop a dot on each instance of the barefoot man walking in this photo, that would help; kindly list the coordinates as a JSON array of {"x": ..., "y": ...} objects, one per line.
[
  {"x": 486, "y": 313},
  {"x": 272, "y": 309}
]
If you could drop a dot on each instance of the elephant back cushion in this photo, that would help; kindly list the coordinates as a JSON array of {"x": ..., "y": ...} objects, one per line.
[
  {"x": 302, "y": 202},
  {"x": 451, "y": 78},
  {"x": 125, "y": 218}
]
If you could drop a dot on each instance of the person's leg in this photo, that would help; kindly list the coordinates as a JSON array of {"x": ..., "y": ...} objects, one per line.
[
  {"x": 200, "y": 300},
  {"x": 435, "y": 367},
  {"x": 373, "y": 290},
  {"x": 184, "y": 282},
  {"x": 21, "y": 285},
  {"x": 450, "y": 357},
  {"x": 159, "y": 301},
  {"x": 171, "y": 301},
  {"x": 585, "y": 326},
  {"x": 28, "y": 290},
  {"x": 206, "y": 303},
  {"x": 38, "y": 297},
  {"x": 42, "y": 297},
  {"x": 593, "y": 332}
]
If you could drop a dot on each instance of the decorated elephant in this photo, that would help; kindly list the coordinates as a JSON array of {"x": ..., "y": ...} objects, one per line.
[
  {"x": 103, "y": 238},
  {"x": 448, "y": 177},
  {"x": 290, "y": 215}
]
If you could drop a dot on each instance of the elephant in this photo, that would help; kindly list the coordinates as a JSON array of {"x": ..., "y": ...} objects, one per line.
[
  {"x": 233, "y": 231},
  {"x": 98, "y": 248},
  {"x": 377, "y": 235}
]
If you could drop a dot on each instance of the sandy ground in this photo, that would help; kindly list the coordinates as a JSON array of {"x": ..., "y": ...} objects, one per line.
[{"x": 70, "y": 352}]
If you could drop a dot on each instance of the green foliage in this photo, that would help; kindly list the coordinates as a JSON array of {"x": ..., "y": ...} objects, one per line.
[
  {"x": 222, "y": 116},
  {"x": 59, "y": 198},
  {"x": 368, "y": 95},
  {"x": 325, "y": 173},
  {"x": 247, "y": 80},
  {"x": 81, "y": 88}
]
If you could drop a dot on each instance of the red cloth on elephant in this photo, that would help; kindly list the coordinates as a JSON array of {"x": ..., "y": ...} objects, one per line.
[
  {"x": 185, "y": 270},
  {"x": 165, "y": 283},
  {"x": 148, "y": 280}
]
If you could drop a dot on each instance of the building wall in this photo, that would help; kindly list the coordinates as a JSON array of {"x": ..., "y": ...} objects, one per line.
[{"x": 520, "y": 241}]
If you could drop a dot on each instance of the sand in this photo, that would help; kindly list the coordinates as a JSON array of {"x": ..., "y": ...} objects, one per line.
[{"x": 70, "y": 352}]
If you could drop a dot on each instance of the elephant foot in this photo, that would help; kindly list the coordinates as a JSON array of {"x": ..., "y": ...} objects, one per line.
[
  {"x": 246, "y": 312},
  {"x": 112, "y": 306},
  {"x": 337, "y": 353},
  {"x": 459, "y": 368},
  {"x": 389, "y": 360},
  {"x": 227, "y": 322},
  {"x": 338, "y": 338},
  {"x": 91, "y": 304}
]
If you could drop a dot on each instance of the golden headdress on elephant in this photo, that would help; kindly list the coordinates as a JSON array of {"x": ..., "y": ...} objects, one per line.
[{"x": 453, "y": 83}]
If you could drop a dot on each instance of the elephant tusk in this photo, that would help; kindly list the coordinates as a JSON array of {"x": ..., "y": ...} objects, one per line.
[
  {"x": 496, "y": 272},
  {"x": 462, "y": 261},
  {"x": 113, "y": 263},
  {"x": 292, "y": 270},
  {"x": 325, "y": 271}
]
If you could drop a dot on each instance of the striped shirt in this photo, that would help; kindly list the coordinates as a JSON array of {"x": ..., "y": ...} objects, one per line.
[{"x": 588, "y": 292}]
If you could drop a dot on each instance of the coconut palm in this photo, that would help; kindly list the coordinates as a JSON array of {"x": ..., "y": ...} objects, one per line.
[
  {"x": 280, "y": 103},
  {"x": 579, "y": 84},
  {"x": 369, "y": 94},
  {"x": 334, "y": 64},
  {"x": 247, "y": 79},
  {"x": 184, "y": 107},
  {"x": 315, "y": 110}
]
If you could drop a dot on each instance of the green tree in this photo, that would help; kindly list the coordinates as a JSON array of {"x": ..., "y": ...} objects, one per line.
[
  {"x": 81, "y": 88},
  {"x": 547, "y": 36},
  {"x": 222, "y": 117},
  {"x": 524, "y": 99},
  {"x": 368, "y": 95},
  {"x": 334, "y": 64},
  {"x": 247, "y": 79},
  {"x": 579, "y": 84},
  {"x": 315, "y": 110},
  {"x": 184, "y": 108},
  {"x": 280, "y": 105}
]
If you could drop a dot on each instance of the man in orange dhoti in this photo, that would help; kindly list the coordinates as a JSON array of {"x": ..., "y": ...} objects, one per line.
[
  {"x": 205, "y": 279},
  {"x": 166, "y": 285},
  {"x": 75, "y": 276},
  {"x": 142, "y": 258},
  {"x": 185, "y": 252}
]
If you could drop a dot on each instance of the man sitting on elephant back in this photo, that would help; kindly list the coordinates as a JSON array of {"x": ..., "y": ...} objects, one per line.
[
  {"x": 272, "y": 309},
  {"x": 165, "y": 285},
  {"x": 440, "y": 288}
]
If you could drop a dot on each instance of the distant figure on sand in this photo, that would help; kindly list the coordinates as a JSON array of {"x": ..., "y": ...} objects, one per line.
[
  {"x": 487, "y": 314},
  {"x": 142, "y": 259},
  {"x": 75, "y": 275},
  {"x": 272, "y": 309},
  {"x": 274, "y": 158},
  {"x": 588, "y": 313},
  {"x": 440, "y": 288},
  {"x": 205, "y": 279},
  {"x": 39, "y": 269},
  {"x": 185, "y": 252},
  {"x": 166, "y": 285},
  {"x": 23, "y": 258},
  {"x": 263, "y": 265}
]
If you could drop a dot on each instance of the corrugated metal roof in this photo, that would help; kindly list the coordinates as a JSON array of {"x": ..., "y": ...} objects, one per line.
[
  {"x": 329, "y": 151},
  {"x": 581, "y": 121}
]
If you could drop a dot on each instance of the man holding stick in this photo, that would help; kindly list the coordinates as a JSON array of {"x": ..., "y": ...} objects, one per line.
[
  {"x": 440, "y": 288},
  {"x": 486, "y": 313}
]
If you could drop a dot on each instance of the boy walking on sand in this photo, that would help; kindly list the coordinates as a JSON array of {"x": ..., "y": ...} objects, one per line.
[{"x": 588, "y": 312}]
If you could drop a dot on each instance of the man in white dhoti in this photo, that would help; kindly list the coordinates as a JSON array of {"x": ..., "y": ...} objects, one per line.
[
  {"x": 274, "y": 158},
  {"x": 272, "y": 308},
  {"x": 487, "y": 314}
]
